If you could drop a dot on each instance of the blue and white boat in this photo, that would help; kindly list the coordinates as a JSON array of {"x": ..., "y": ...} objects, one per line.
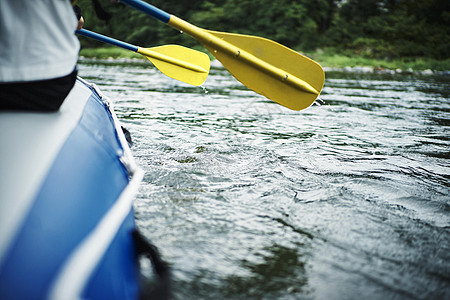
[{"x": 67, "y": 182}]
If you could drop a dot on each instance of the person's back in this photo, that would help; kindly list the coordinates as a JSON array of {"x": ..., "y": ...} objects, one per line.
[{"x": 38, "y": 53}]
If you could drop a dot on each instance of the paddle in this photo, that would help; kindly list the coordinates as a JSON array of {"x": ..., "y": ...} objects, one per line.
[
  {"x": 264, "y": 66},
  {"x": 175, "y": 61}
]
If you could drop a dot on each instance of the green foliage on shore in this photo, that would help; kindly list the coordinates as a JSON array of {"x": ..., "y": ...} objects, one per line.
[
  {"x": 397, "y": 31},
  {"x": 330, "y": 57},
  {"x": 108, "y": 52},
  {"x": 327, "y": 58}
]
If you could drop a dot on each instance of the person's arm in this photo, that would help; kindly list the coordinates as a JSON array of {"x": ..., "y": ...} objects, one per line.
[{"x": 77, "y": 11}]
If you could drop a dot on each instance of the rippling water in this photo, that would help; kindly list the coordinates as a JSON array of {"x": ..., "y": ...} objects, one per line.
[{"x": 247, "y": 199}]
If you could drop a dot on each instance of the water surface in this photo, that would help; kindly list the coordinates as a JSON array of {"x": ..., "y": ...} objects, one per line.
[{"x": 249, "y": 200}]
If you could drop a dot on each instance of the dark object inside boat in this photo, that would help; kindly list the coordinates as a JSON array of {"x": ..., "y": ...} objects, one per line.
[{"x": 40, "y": 95}]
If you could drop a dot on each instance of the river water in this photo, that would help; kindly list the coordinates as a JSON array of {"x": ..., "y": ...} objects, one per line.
[{"x": 249, "y": 200}]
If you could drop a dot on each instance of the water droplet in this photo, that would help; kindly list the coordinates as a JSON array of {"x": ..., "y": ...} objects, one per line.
[
  {"x": 181, "y": 31},
  {"x": 204, "y": 89},
  {"x": 319, "y": 102}
]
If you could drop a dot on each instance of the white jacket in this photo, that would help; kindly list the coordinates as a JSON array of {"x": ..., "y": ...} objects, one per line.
[{"x": 37, "y": 39}]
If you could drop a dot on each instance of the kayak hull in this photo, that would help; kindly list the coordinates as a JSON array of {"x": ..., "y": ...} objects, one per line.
[{"x": 70, "y": 234}]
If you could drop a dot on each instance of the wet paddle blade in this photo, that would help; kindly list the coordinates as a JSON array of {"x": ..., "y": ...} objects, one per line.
[
  {"x": 264, "y": 66},
  {"x": 180, "y": 63},
  {"x": 295, "y": 95},
  {"x": 175, "y": 61}
]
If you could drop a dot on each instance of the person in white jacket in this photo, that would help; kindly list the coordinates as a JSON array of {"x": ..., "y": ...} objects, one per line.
[{"x": 38, "y": 54}]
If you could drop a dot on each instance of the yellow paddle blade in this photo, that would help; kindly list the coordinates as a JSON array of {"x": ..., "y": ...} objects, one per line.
[
  {"x": 180, "y": 63},
  {"x": 270, "y": 69}
]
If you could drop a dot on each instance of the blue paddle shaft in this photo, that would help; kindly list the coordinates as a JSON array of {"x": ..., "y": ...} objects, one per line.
[
  {"x": 148, "y": 9},
  {"x": 106, "y": 39}
]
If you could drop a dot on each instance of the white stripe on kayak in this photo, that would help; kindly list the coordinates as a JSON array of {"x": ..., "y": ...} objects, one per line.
[
  {"x": 30, "y": 143},
  {"x": 78, "y": 269}
]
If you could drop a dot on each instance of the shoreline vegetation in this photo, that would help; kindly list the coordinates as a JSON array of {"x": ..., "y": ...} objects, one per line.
[
  {"x": 380, "y": 36},
  {"x": 330, "y": 60}
]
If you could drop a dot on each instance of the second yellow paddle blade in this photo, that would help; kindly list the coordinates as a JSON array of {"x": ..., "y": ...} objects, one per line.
[
  {"x": 180, "y": 63},
  {"x": 303, "y": 72}
]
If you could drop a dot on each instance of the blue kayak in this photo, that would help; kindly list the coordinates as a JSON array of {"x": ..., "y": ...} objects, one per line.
[{"x": 67, "y": 182}]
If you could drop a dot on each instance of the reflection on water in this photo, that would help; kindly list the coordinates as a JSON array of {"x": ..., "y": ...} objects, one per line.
[{"x": 247, "y": 199}]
